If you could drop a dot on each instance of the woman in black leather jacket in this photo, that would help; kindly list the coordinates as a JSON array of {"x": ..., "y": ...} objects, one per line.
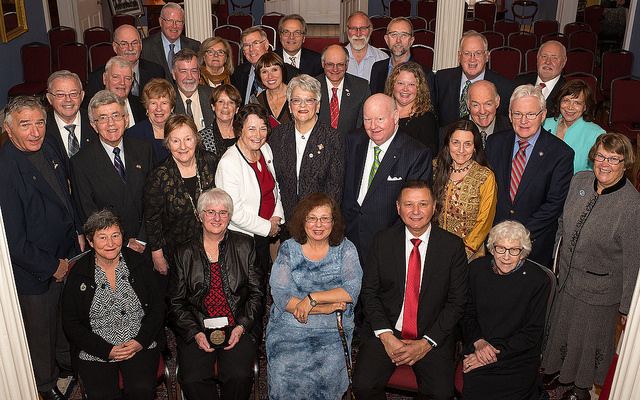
[{"x": 215, "y": 277}]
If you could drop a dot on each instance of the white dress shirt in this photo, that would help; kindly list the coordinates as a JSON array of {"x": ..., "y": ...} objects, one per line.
[
  {"x": 64, "y": 133},
  {"x": 364, "y": 182}
]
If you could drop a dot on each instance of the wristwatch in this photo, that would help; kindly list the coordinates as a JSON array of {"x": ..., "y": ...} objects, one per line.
[{"x": 312, "y": 301}]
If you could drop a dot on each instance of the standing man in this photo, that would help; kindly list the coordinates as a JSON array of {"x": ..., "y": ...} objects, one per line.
[
  {"x": 128, "y": 45},
  {"x": 192, "y": 98},
  {"x": 118, "y": 78},
  {"x": 533, "y": 169},
  {"x": 343, "y": 94},
  {"x": 161, "y": 47},
  {"x": 68, "y": 127},
  {"x": 362, "y": 55},
  {"x": 376, "y": 167},
  {"x": 42, "y": 233},
  {"x": 293, "y": 30},
  {"x": 413, "y": 295},
  {"x": 483, "y": 103}
]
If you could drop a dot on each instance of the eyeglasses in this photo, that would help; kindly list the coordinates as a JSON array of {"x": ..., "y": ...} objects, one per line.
[
  {"x": 399, "y": 35},
  {"x": 213, "y": 213},
  {"x": 476, "y": 54},
  {"x": 514, "y": 251},
  {"x": 176, "y": 22},
  {"x": 613, "y": 160},
  {"x": 215, "y": 53},
  {"x": 253, "y": 44},
  {"x": 331, "y": 65},
  {"x": 359, "y": 29},
  {"x": 104, "y": 119},
  {"x": 60, "y": 95},
  {"x": 530, "y": 116},
  {"x": 291, "y": 33},
  {"x": 297, "y": 101},
  {"x": 126, "y": 44},
  {"x": 312, "y": 219}
]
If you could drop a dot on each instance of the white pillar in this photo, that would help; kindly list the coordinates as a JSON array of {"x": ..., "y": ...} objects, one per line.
[
  {"x": 16, "y": 374},
  {"x": 566, "y": 12},
  {"x": 348, "y": 7},
  {"x": 197, "y": 19},
  {"x": 449, "y": 21}
]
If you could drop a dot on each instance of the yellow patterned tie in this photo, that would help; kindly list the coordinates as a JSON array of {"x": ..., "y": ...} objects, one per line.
[{"x": 376, "y": 164}]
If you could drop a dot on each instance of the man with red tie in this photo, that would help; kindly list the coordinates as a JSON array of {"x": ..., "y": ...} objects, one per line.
[{"x": 413, "y": 294}]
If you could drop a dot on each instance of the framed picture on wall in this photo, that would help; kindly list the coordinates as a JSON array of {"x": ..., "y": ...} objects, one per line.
[{"x": 130, "y": 7}]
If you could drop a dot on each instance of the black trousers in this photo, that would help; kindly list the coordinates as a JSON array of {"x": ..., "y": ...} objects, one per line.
[
  {"x": 434, "y": 373},
  {"x": 235, "y": 370},
  {"x": 100, "y": 379},
  {"x": 48, "y": 346}
]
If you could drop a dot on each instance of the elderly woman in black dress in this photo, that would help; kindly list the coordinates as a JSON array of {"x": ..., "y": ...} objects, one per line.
[
  {"x": 503, "y": 323},
  {"x": 225, "y": 101}
]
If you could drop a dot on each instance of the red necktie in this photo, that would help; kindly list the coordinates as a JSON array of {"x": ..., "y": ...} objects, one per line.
[
  {"x": 542, "y": 85},
  {"x": 411, "y": 294},
  {"x": 517, "y": 168},
  {"x": 334, "y": 108}
]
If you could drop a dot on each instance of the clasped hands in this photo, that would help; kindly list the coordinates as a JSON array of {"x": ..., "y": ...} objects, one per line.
[
  {"x": 485, "y": 354},
  {"x": 303, "y": 309},
  {"x": 125, "y": 351},
  {"x": 404, "y": 351}
]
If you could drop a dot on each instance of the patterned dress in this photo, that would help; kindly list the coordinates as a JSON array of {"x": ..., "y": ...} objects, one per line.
[{"x": 307, "y": 360}]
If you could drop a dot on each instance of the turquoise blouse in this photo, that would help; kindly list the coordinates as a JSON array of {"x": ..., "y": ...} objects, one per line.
[{"x": 580, "y": 137}]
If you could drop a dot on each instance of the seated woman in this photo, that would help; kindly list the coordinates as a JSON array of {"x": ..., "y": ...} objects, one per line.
[
  {"x": 272, "y": 75},
  {"x": 225, "y": 101},
  {"x": 112, "y": 314},
  {"x": 574, "y": 124},
  {"x": 504, "y": 319},
  {"x": 316, "y": 273},
  {"x": 216, "y": 62},
  {"x": 215, "y": 276},
  {"x": 408, "y": 86},
  {"x": 465, "y": 187}
]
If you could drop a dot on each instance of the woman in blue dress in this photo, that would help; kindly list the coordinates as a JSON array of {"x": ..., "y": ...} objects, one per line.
[{"x": 316, "y": 273}]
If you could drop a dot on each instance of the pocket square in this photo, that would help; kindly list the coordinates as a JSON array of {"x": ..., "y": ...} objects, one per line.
[{"x": 394, "y": 178}]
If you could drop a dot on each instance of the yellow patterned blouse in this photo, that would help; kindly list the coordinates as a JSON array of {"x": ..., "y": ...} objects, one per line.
[{"x": 469, "y": 207}]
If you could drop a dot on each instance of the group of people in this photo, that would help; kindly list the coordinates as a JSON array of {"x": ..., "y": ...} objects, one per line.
[{"x": 345, "y": 188}]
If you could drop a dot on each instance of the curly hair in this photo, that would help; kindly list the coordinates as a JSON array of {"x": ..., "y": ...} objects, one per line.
[
  {"x": 297, "y": 223},
  {"x": 422, "y": 103}
]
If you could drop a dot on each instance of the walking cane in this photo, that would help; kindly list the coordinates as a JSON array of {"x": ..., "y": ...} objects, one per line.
[{"x": 347, "y": 356}]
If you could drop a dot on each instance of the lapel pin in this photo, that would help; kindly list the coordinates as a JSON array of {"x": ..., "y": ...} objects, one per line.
[
  {"x": 138, "y": 166},
  {"x": 348, "y": 92},
  {"x": 83, "y": 287},
  {"x": 581, "y": 193},
  {"x": 34, "y": 178},
  {"x": 541, "y": 153},
  {"x": 320, "y": 146},
  {"x": 310, "y": 155}
]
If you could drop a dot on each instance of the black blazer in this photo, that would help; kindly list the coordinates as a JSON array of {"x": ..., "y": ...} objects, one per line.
[
  {"x": 321, "y": 169},
  {"x": 204, "y": 94},
  {"x": 96, "y": 184},
  {"x": 355, "y": 92},
  {"x": 152, "y": 50},
  {"x": 240, "y": 77},
  {"x": 443, "y": 291},
  {"x": 405, "y": 159},
  {"x": 80, "y": 290},
  {"x": 138, "y": 110},
  {"x": 54, "y": 138},
  {"x": 447, "y": 93},
  {"x": 148, "y": 70},
  {"x": 530, "y": 79},
  {"x": 380, "y": 72},
  {"x": 310, "y": 61},
  {"x": 542, "y": 191}
]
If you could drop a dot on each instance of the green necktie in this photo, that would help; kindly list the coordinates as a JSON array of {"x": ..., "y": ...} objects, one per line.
[
  {"x": 464, "y": 110},
  {"x": 376, "y": 164}
]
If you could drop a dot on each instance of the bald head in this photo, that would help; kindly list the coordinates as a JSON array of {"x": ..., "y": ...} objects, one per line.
[
  {"x": 380, "y": 117},
  {"x": 127, "y": 43},
  {"x": 335, "y": 61},
  {"x": 483, "y": 102}
]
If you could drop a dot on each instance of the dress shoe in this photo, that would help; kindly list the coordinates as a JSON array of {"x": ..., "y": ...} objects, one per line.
[
  {"x": 576, "y": 394},
  {"x": 551, "y": 382},
  {"x": 53, "y": 394}
]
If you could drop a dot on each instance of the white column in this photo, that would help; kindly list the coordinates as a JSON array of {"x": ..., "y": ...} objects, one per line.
[
  {"x": 449, "y": 20},
  {"x": 16, "y": 374},
  {"x": 348, "y": 7},
  {"x": 197, "y": 19},
  {"x": 566, "y": 12}
]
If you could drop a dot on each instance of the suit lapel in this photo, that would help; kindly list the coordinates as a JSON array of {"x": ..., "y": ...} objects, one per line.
[
  {"x": 360, "y": 158},
  {"x": 506, "y": 167},
  {"x": 310, "y": 151},
  {"x": 428, "y": 265},
  {"x": 345, "y": 103},
  {"x": 534, "y": 164},
  {"x": 388, "y": 161},
  {"x": 399, "y": 260}
]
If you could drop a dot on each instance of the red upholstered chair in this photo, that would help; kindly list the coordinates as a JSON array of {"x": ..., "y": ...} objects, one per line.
[
  {"x": 122, "y": 19},
  {"x": 425, "y": 37},
  {"x": 94, "y": 35},
  {"x": 427, "y": 9},
  {"x": 242, "y": 21},
  {"x": 271, "y": 34},
  {"x": 272, "y": 19},
  {"x": 506, "y": 27},
  {"x": 229, "y": 32},
  {"x": 624, "y": 114},
  {"x": 75, "y": 58},
  {"x": 576, "y": 27},
  {"x": 399, "y": 8},
  {"x": 236, "y": 52},
  {"x": 615, "y": 64},
  {"x": 377, "y": 38},
  {"x": 432, "y": 24},
  {"x": 589, "y": 79},
  {"x": 531, "y": 60},
  {"x": 523, "y": 41},
  {"x": 419, "y": 23},
  {"x": 99, "y": 54},
  {"x": 544, "y": 27},
  {"x": 505, "y": 61},
  {"x": 593, "y": 16},
  {"x": 560, "y": 37},
  {"x": 494, "y": 39},
  {"x": 57, "y": 37},
  {"x": 380, "y": 21},
  {"x": 156, "y": 29},
  {"x": 423, "y": 55},
  {"x": 36, "y": 68},
  {"x": 475, "y": 24},
  {"x": 579, "y": 60},
  {"x": 583, "y": 40},
  {"x": 486, "y": 11},
  {"x": 214, "y": 21},
  {"x": 403, "y": 379}
]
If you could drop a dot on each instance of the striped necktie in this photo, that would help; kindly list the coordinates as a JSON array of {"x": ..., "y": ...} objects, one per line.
[
  {"x": 517, "y": 168},
  {"x": 376, "y": 164}
]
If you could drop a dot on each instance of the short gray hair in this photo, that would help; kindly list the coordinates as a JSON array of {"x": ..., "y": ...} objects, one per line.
[
  {"x": 63, "y": 74},
  {"x": 100, "y": 220},
  {"x": 306, "y": 83},
  {"x": 119, "y": 61},
  {"x": 103, "y": 98},
  {"x": 528, "y": 91},
  {"x": 510, "y": 230},
  {"x": 472, "y": 33},
  {"x": 173, "y": 5},
  {"x": 19, "y": 103},
  {"x": 215, "y": 196},
  {"x": 293, "y": 17}
]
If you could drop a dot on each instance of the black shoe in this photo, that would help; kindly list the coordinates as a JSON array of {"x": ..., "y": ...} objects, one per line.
[
  {"x": 551, "y": 382},
  {"x": 53, "y": 394},
  {"x": 576, "y": 394}
]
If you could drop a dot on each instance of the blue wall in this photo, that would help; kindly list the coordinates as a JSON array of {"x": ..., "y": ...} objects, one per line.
[{"x": 11, "y": 67}]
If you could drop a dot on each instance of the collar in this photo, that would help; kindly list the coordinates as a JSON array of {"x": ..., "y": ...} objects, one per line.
[
  {"x": 550, "y": 83},
  {"x": 463, "y": 78},
  {"x": 424, "y": 237},
  {"x": 613, "y": 188},
  {"x": 109, "y": 149},
  {"x": 166, "y": 42},
  {"x": 61, "y": 124},
  {"x": 532, "y": 140},
  {"x": 330, "y": 86},
  {"x": 368, "y": 54},
  {"x": 298, "y": 55},
  {"x": 384, "y": 146}
]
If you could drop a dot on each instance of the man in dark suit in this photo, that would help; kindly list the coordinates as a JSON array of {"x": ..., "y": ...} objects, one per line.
[
  {"x": 293, "y": 30},
  {"x": 118, "y": 78},
  {"x": 254, "y": 44},
  {"x": 161, "y": 46},
  {"x": 192, "y": 99},
  {"x": 343, "y": 93},
  {"x": 42, "y": 234},
  {"x": 127, "y": 44},
  {"x": 111, "y": 172},
  {"x": 413, "y": 295},
  {"x": 452, "y": 84},
  {"x": 377, "y": 164},
  {"x": 533, "y": 169},
  {"x": 552, "y": 57},
  {"x": 68, "y": 127},
  {"x": 483, "y": 104}
]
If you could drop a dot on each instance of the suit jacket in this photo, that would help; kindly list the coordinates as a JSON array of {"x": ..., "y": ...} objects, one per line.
[
  {"x": 152, "y": 50},
  {"x": 204, "y": 92},
  {"x": 542, "y": 190},
  {"x": 447, "y": 93},
  {"x": 310, "y": 62},
  {"x": 380, "y": 72},
  {"x": 443, "y": 290},
  {"x": 530, "y": 79},
  {"x": 240, "y": 77},
  {"x": 321, "y": 169},
  {"x": 355, "y": 92},
  {"x": 148, "y": 70},
  {"x": 138, "y": 110},
  {"x": 96, "y": 184},
  {"x": 41, "y": 226},
  {"x": 405, "y": 159},
  {"x": 54, "y": 138}
]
